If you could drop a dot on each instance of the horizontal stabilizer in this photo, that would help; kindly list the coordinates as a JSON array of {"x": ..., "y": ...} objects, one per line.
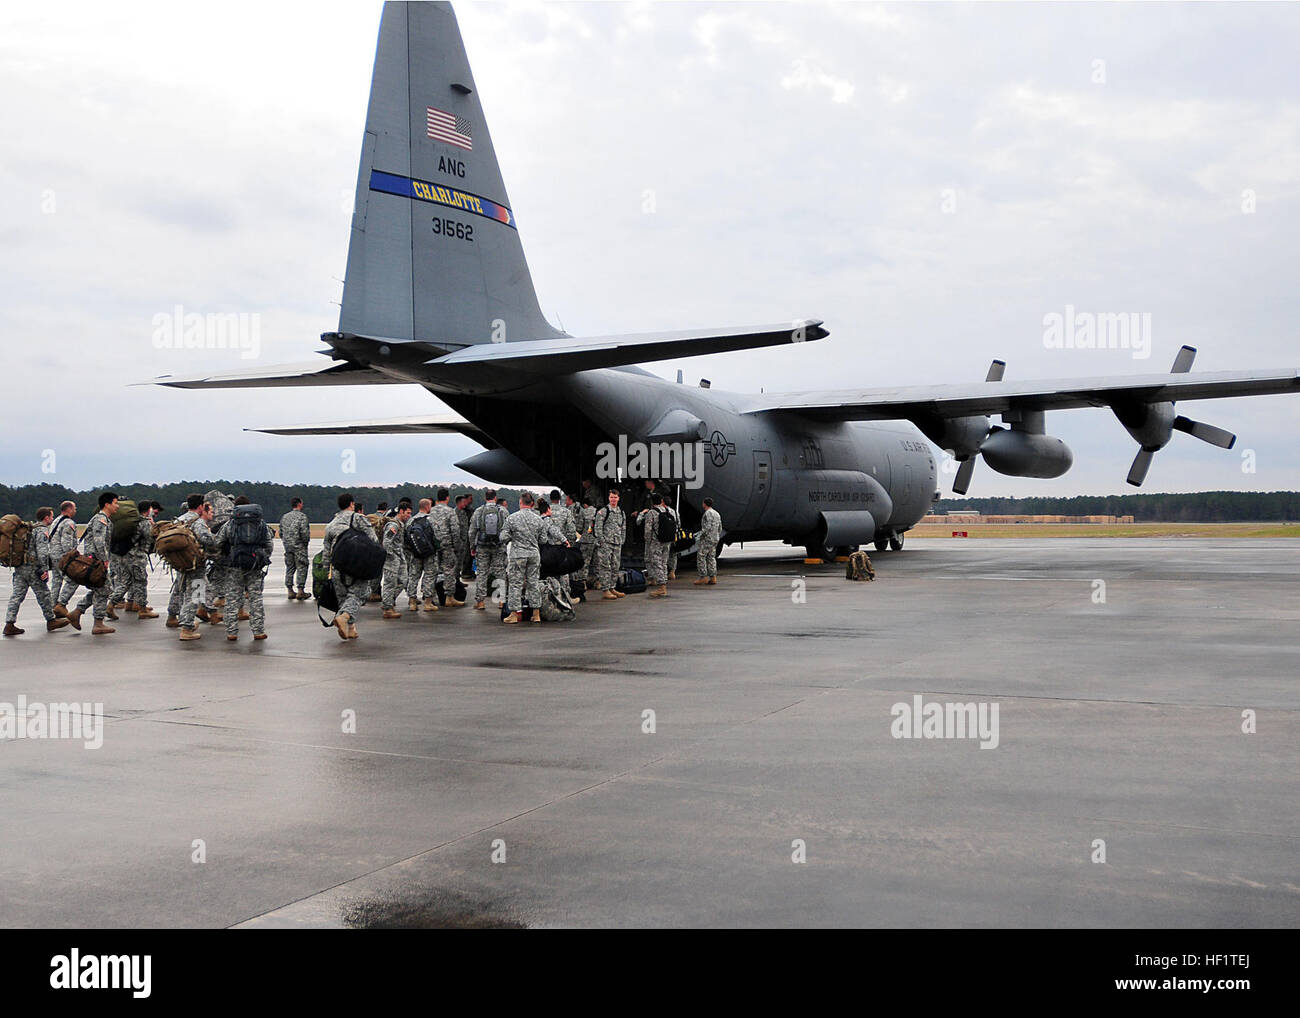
[
  {"x": 313, "y": 373},
  {"x": 567, "y": 354},
  {"x": 445, "y": 424}
]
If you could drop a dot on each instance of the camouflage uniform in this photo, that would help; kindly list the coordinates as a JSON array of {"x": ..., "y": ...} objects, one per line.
[
  {"x": 63, "y": 539},
  {"x": 190, "y": 588},
  {"x": 28, "y": 576},
  {"x": 352, "y": 592},
  {"x": 446, "y": 528},
  {"x": 587, "y": 540},
  {"x": 420, "y": 572},
  {"x": 466, "y": 560},
  {"x": 295, "y": 535},
  {"x": 490, "y": 559},
  {"x": 656, "y": 551},
  {"x": 527, "y": 531},
  {"x": 96, "y": 538},
  {"x": 135, "y": 564},
  {"x": 610, "y": 529},
  {"x": 395, "y": 574},
  {"x": 245, "y": 583},
  {"x": 706, "y": 558}
]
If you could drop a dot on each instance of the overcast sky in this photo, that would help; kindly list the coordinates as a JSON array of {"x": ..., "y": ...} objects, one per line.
[{"x": 930, "y": 180}]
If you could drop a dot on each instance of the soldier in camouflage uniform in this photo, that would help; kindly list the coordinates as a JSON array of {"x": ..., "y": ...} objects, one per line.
[
  {"x": 34, "y": 574},
  {"x": 295, "y": 535},
  {"x": 63, "y": 539},
  {"x": 421, "y": 573},
  {"x": 446, "y": 528},
  {"x": 352, "y": 592},
  {"x": 526, "y": 531},
  {"x": 244, "y": 584},
  {"x": 656, "y": 551},
  {"x": 586, "y": 518},
  {"x": 489, "y": 552},
  {"x": 610, "y": 530},
  {"x": 96, "y": 539},
  {"x": 395, "y": 574},
  {"x": 464, "y": 510},
  {"x": 578, "y": 576},
  {"x": 706, "y": 557},
  {"x": 136, "y": 563},
  {"x": 193, "y": 588}
]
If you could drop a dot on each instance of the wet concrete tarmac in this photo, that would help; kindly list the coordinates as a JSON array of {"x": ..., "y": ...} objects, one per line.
[{"x": 1120, "y": 721}]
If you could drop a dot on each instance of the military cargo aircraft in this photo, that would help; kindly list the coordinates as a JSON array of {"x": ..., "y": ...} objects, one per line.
[{"x": 438, "y": 294}]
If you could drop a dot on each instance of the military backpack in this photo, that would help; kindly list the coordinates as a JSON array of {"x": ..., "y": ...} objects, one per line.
[
  {"x": 125, "y": 521},
  {"x": 859, "y": 567},
  {"x": 246, "y": 539},
  {"x": 176, "y": 545},
  {"x": 14, "y": 537}
]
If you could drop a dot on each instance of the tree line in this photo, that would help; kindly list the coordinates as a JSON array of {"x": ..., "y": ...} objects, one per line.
[
  {"x": 1191, "y": 507},
  {"x": 319, "y": 500}
]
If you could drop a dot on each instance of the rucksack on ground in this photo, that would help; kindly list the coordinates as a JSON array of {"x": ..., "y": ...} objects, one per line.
[
  {"x": 124, "y": 522},
  {"x": 631, "y": 581},
  {"x": 665, "y": 527},
  {"x": 859, "y": 567},
  {"x": 15, "y": 534},
  {"x": 176, "y": 545},
  {"x": 246, "y": 539},
  {"x": 355, "y": 554},
  {"x": 556, "y": 604}
]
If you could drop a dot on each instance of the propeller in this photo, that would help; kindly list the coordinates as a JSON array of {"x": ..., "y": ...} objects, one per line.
[
  {"x": 1153, "y": 424},
  {"x": 961, "y": 484}
]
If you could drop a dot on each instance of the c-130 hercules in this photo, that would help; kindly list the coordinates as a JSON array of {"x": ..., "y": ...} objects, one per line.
[{"x": 438, "y": 294}]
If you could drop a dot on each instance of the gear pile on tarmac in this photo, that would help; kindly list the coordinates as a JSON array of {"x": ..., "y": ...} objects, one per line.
[{"x": 220, "y": 550}]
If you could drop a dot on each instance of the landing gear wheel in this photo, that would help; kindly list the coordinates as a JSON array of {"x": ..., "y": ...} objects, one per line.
[
  {"x": 896, "y": 542},
  {"x": 828, "y": 552},
  {"x": 882, "y": 543}
]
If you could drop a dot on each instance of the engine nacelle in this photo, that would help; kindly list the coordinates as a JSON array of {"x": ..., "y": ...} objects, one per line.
[
  {"x": 1022, "y": 454},
  {"x": 959, "y": 435}
]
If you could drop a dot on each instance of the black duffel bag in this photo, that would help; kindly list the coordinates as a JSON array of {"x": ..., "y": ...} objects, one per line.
[
  {"x": 558, "y": 560},
  {"x": 356, "y": 553},
  {"x": 631, "y": 581}
]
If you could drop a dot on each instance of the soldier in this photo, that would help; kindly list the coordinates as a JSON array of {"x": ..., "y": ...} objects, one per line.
[
  {"x": 295, "y": 535},
  {"x": 377, "y": 522},
  {"x": 669, "y": 500},
  {"x": 610, "y": 530},
  {"x": 446, "y": 528},
  {"x": 63, "y": 539},
  {"x": 587, "y": 542},
  {"x": 34, "y": 574},
  {"x": 395, "y": 574},
  {"x": 351, "y": 591},
  {"x": 464, "y": 504},
  {"x": 247, "y": 582},
  {"x": 191, "y": 587},
  {"x": 136, "y": 563},
  {"x": 96, "y": 538},
  {"x": 578, "y": 576},
  {"x": 706, "y": 556},
  {"x": 525, "y": 530},
  {"x": 421, "y": 572},
  {"x": 656, "y": 550},
  {"x": 487, "y": 548}
]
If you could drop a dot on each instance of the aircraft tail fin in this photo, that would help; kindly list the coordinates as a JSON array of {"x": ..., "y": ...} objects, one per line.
[{"x": 435, "y": 254}]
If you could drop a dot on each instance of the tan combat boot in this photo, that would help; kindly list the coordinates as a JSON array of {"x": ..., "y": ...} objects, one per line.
[
  {"x": 390, "y": 613},
  {"x": 131, "y": 606},
  {"x": 173, "y": 622},
  {"x": 511, "y": 619},
  {"x": 216, "y": 618},
  {"x": 429, "y": 605},
  {"x": 451, "y": 602},
  {"x": 61, "y": 610},
  {"x": 609, "y": 595},
  {"x": 74, "y": 618},
  {"x": 713, "y": 580},
  {"x": 146, "y": 612},
  {"x": 219, "y": 603},
  {"x": 619, "y": 593},
  {"x": 191, "y": 633},
  {"x": 232, "y": 637},
  {"x": 673, "y": 575},
  {"x": 12, "y": 630},
  {"x": 111, "y": 613},
  {"x": 352, "y": 630},
  {"x": 292, "y": 595},
  {"x": 412, "y": 604},
  {"x": 99, "y": 629},
  {"x": 243, "y": 616},
  {"x": 54, "y": 624},
  {"x": 202, "y": 613},
  {"x": 341, "y": 621},
  {"x": 259, "y": 636},
  {"x": 537, "y": 615},
  {"x": 702, "y": 581}
]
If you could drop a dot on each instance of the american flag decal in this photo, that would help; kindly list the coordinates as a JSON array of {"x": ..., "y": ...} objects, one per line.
[{"x": 444, "y": 126}]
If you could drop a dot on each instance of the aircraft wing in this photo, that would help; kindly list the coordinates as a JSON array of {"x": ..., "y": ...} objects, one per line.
[
  {"x": 970, "y": 399},
  {"x": 313, "y": 373},
  {"x": 443, "y": 424},
  {"x": 567, "y": 354}
]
